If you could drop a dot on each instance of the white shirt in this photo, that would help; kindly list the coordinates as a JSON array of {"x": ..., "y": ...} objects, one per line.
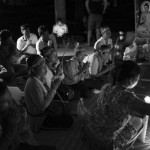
[
  {"x": 40, "y": 45},
  {"x": 21, "y": 42},
  {"x": 96, "y": 63}
]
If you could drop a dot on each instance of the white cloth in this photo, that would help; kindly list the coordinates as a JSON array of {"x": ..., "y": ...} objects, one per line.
[
  {"x": 21, "y": 42},
  {"x": 60, "y": 30},
  {"x": 102, "y": 41},
  {"x": 95, "y": 65}
]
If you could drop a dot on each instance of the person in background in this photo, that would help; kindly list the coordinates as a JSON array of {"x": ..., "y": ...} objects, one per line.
[
  {"x": 15, "y": 133},
  {"x": 60, "y": 28},
  {"x": 45, "y": 39},
  {"x": 9, "y": 57},
  {"x": 105, "y": 39},
  {"x": 42, "y": 111},
  {"x": 27, "y": 42},
  {"x": 117, "y": 119},
  {"x": 95, "y": 9}
]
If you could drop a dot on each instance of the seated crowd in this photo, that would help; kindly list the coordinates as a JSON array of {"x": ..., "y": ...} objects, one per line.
[{"x": 114, "y": 122}]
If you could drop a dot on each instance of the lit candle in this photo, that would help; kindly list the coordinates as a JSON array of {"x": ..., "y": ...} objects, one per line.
[{"x": 147, "y": 99}]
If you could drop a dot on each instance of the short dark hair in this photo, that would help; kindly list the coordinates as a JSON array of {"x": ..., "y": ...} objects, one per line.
[
  {"x": 59, "y": 20},
  {"x": 5, "y": 34},
  {"x": 42, "y": 29},
  {"x": 25, "y": 26},
  {"x": 32, "y": 59},
  {"x": 126, "y": 71}
]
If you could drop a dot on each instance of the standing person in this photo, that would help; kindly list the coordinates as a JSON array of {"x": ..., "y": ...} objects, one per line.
[
  {"x": 45, "y": 39},
  {"x": 96, "y": 9},
  {"x": 26, "y": 43}
]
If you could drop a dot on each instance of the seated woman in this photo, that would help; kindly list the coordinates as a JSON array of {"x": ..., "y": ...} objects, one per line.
[
  {"x": 42, "y": 110},
  {"x": 116, "y": 121}
]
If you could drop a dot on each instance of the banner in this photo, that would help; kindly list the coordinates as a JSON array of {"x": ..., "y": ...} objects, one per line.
[{"x": 142, "y": 18}]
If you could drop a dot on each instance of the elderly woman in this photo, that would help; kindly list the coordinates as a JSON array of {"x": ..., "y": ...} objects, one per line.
[
  {"x": 42, "y": 111},
  {"x": 116, "y": 121}
]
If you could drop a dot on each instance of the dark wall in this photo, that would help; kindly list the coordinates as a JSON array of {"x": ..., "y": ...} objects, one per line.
[{"x": 37, "y": 12}]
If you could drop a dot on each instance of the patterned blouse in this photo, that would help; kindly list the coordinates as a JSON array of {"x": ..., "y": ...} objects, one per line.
[{"x": 109, "y": 122}]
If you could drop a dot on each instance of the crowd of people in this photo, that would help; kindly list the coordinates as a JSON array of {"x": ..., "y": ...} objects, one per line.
[{"x": 51, "y": 84}]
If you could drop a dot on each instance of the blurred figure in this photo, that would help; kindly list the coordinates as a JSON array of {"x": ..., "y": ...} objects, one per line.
[
  {"x": 130, "y": 52},
  {"x": 15, "y": 133},
  {"x": 10, "y": 57},
  {"x": 106, "y": 40},
  {"x": 95, "y": 9},
  {"x": 45, "y": 39},
  {"x": 117, "y": 118},
  {"x": 60, "y": 29}
]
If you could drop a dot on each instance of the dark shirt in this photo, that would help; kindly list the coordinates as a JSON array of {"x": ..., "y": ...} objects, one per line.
[{"x": 96, "y": 7}]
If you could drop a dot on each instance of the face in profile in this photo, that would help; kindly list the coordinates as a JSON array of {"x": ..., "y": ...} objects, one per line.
[
  {"x": 25, "y": 32},
  {"x": 81, "y": 56},
  {"x": 45, "y": 36}
]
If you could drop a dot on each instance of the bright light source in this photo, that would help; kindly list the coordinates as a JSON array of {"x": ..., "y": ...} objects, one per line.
[
  {"x": 147, "y": 99},
  {"x": 120, "y": 32},
  {"x": 116, "y": 46},
  {"x": 121, "y": 38},
  {"x": 60, "y": 30}
]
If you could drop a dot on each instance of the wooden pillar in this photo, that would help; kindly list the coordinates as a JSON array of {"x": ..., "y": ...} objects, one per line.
[{"x": 60, "y": 9}]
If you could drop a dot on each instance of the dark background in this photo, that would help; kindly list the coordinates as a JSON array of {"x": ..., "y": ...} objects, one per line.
[{"x": 37, "y": 12}]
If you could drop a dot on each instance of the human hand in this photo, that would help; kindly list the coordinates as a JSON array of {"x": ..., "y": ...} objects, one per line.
[
  {"x": 55, "y": 84},
  {"x": 28, "y": 42},
  {"x": 50, "y": 42},
  {"x": 59, "y": 69}
]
